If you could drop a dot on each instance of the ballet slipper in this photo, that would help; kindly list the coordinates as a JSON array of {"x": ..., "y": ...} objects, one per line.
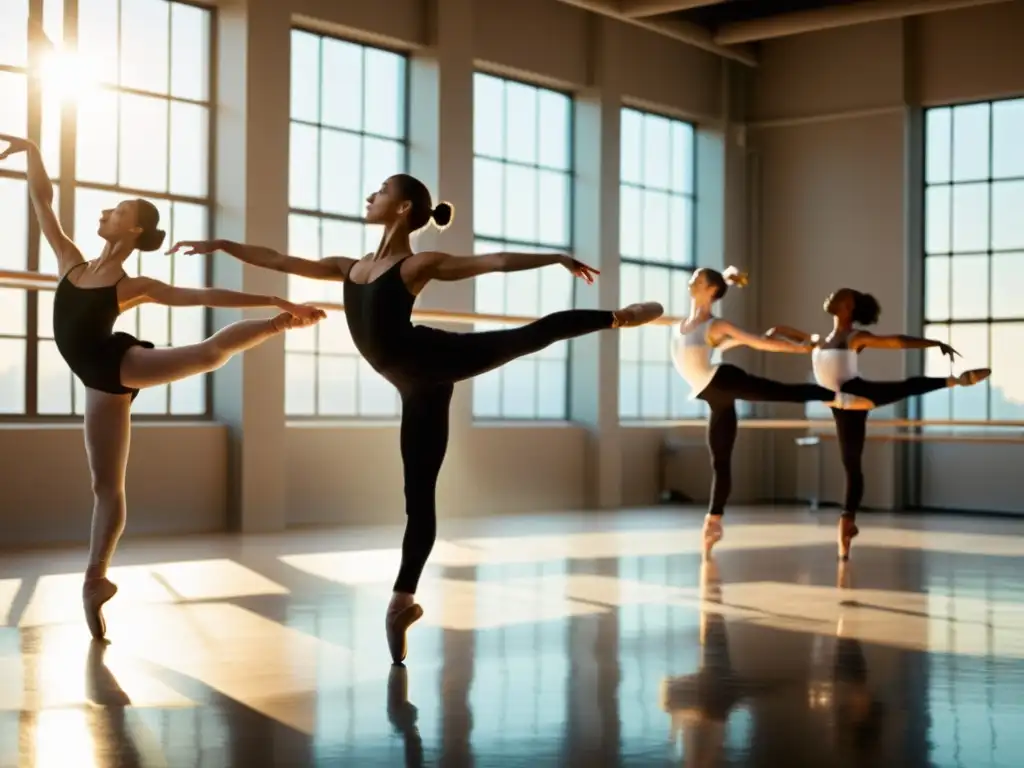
[
  {"x": 974, "y": 376},
  {"x": 638, "y": 314},
  {"x": 396, "y": 625},
  {"x": 712, "y": 533},
  {"x": 95, "y": 593},
  {"x": 848, "y": 531}
]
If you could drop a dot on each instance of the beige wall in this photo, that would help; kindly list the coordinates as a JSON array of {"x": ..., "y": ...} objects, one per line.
[{"x": 834, "y": 207}]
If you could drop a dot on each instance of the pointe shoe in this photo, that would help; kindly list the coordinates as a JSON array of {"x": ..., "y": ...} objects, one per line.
[
  {"x": 95, "y": 593},
  {"x": 848, "y": 531},
  {"x": 974, "y": 376},
  {"x": 713, "y": 534},
  {"x": 638, "y": 314},
  {"x": 396, "y": 625}
]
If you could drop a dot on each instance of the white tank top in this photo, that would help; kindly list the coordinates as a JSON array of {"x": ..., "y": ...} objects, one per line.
[
  {"x": 691, "y": 355},
  {"x": 833, "y": 368}
]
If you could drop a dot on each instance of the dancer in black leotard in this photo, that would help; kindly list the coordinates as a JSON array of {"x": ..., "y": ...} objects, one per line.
[
  {"x": 834, "y": 361},
  {"x": 720, "y": 386},
  {"x": 114, "y": 366},
  {"x": 424, "y": 363}
]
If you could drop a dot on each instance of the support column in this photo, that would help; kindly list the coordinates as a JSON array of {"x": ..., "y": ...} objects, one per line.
[
  {"x": 253, "y": 105},
  {"x": 594, "y": 359}
]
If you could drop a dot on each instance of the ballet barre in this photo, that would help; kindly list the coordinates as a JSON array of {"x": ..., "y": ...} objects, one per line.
[{"x": 41, "y": 282}]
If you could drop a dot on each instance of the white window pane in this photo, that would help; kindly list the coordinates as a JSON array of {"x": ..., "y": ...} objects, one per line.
[
  {"x": 1008, "y": 214},
  {"x": 654, "y": 379},
  {"x": 341, "y": 86},
  {"x": 338, "y": 382},
  {"x": 96, "y": 144},
  {"x": 155, "y": 324},
  {"x": 937, "y": 221},
  {"x": 14, "y": 34},
  {"x": 970, "y": 218},
  {"x": 14, "y": 115},
  {"x": 938, "y": 145},
  {"x": 53, "y": 390},
  {"x": 936, "y": 288},
  {"x": 340, "y": 190},
  {"x": 630, "y": 284},
  {"x": 935, "y": 363},
  {"x": 556, "y": 287},
  {"x": 188, "y": 325},
  {"x": 189, "y": 142},
  {"x": 300, "y": 384},
  {"x": 523, "y": 293},
  {"x": 47, "y": 258},
  {"x": 969, "y": 276},
  {"x": 340, "y": 238},
  {"x": 629, "y": 390},
  {"x": 556, "y": 142},
  {"x": 489, "y": 294},
  {"x": 377, "y": 397},
  {"x": 44, "y": 313},
  {"x": 145, "y": 27},
  {"x": 12, "y": 376},
  {"x": 1007, "y": 285},
  {"x": 304, "y": 167},
  {"x": 488, "y": 115},
  {"x": 657, "y": 149},
  {"x": 13, "y": 317},
  {"x": 188, "y": 396},
  {"x": 520, "y": 203},
  {"x": 970, "y": 142},
  {"x": 520, "y": 122},
  {"x": 680, "y": 246},
  {"x": 49, "y": 143},
  {"x": 970, "y": 403},
  {"x": 681, "y": 173},
  {"x": 630, "y": 223},
  {"x": 657, "y": 286},
  {"x": 654, "y": 342},
  {"x": 631, "y": 147},
  {"x": 97, "y": 37},
  {"x": 487, "y": 395},
  {"x": 190, "y": 57},
  {"x": 1007, "y": 382},
  {"x": 554, "y": 224},
  {"x": 333, "y": 336},
  {"x": 551, "y": 389},
  {"x": 519, "y": 390},
  {"x": 151, "y": 401},
  {"x": 381, "y": 160},
  {"x": 656, "y": 226},
  {"x": 143, "y": 143},
  {"x": 1007, "y": 147},
  {"x": 305, "y": 76},
  {"x": 488, "y": 198},
  {"x": 385, "y": 79},
  {"x": 302, "y": 339},
  {"x": 189, "y": 222},
  {"x": 13, "y": 224},
  {"x": 680, "y": 303}
]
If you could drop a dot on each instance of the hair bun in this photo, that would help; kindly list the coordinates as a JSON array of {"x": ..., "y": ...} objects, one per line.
[
  {"x": 443, "y": 214},
  {"x": 737, "y": 277}
]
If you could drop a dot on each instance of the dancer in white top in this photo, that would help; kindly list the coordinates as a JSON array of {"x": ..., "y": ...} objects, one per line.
[
  {"x": 835, "y": 360},
  {"x": 721, "y": 385}
]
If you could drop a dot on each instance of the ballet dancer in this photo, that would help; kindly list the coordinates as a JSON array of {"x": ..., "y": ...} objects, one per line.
[
  {"x": 424, "y": 363},
  {"x": 721, "y": 385},
  {"x": 834, "y": 361},
  {"x": 114, "y": 366}
]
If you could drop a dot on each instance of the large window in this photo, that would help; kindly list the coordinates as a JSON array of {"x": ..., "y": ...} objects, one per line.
[
  {"x": 656, "y": 241},
  {"x": 136, "y": 103},
  {"x": 348, "y": 134},
  {"x": 522, "y": 201},
  {"x": 974, "y": 256}
]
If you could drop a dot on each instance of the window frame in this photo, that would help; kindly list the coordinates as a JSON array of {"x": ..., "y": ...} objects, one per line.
[
  {"x": 66, "y": 186},
  {"x": 320, "y": 216},
  {"x": 643, "y": 264},
  {"x": 571, "y": 174}
]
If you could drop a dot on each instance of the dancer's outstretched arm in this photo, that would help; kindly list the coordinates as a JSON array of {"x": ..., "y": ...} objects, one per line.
[
  {"x": 328, "y": 268},
  {"x": 437, "y": 265},
  {"x": 727, "y": 336},
  {"x": 867, "y": 340},
  {"x": 145, "y": 290},
  {"x": 789, "y": 332},
  {"x": 41, "y": 192}
]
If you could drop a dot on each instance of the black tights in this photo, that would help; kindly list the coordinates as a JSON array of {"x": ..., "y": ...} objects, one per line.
[
  {"x": 729, "y": 385},
  {"x": 426, "y": 381},
  {"x": 851, "y": 426}
]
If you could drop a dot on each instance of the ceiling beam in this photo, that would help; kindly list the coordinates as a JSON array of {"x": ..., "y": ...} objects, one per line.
[
  {"x": 683, "y": 31},
  {"x": 638, "y": 9},
  {"x": 819, "y": 19}
]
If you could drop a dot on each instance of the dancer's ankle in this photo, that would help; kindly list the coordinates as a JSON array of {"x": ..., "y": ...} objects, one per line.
[
  {"x": 400, "y": 601},
  {"x": 96, "y": 571}
]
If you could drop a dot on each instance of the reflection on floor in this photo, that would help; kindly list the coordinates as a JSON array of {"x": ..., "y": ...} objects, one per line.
[{"x": 563, "y": 640}]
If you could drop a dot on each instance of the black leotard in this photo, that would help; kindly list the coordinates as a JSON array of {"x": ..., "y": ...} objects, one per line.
[
  {"x": 424, "y": 363},
  {"x": 83, "y": 328}
]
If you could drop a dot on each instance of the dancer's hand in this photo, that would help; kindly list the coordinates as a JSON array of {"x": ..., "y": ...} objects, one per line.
[
  {"x": 194, "y": 247},
  {"x": 304, "y": 312},
  {"x": 579, "y": 269},
  {"x": 15, "y": 145},
  {"x": 948, "y": 351}
]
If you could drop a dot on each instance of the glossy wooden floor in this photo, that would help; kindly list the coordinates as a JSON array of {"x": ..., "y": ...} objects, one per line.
[{"x": 560, "y": 640}]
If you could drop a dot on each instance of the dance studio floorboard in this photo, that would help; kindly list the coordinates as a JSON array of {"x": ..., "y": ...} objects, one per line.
[{"x": 556, "y": 640}]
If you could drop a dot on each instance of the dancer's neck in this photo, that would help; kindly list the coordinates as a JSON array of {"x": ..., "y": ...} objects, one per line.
[{"x": 394, "y": 241}]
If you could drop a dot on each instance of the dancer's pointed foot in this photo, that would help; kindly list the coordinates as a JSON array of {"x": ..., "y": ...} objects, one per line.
[
  {"x": 712, "y": 533},
  {"x": 95, "y": 593},
  {"x": 848, "y": 530},
  {"x": 973, "y": 376},
  {"x": 638, "y": 314},
  {"x": 397, "y": 624}
]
